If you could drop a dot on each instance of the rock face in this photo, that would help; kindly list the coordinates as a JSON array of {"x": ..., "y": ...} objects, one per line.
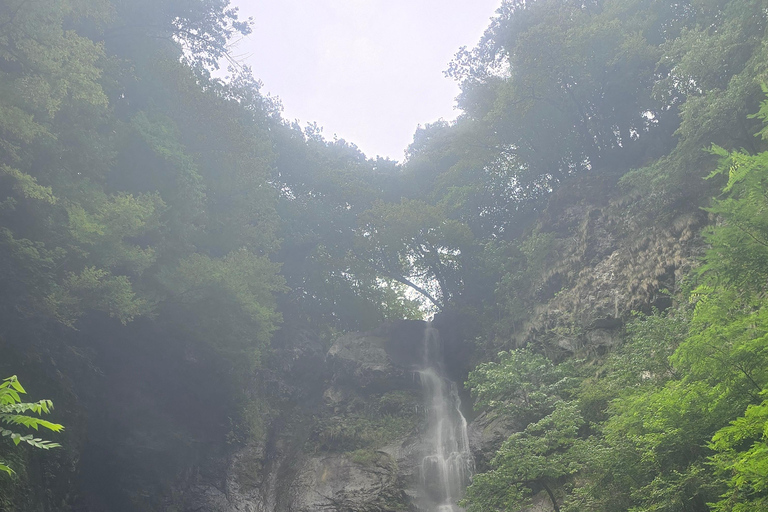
[
  {"x": 361, "y": 361},
  {"x": 340, "y": 482},
  {"x": 612, "y": 254},
  {"x": 486, "y": 433},
  {"x": 349, "y": 437}
]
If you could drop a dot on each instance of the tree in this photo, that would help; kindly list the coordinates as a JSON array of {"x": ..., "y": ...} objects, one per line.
[
  {"x": 568, "y": 85},
  {"x": 535, "y": 394},
  {"x": 324, "y": 187},
  {"x": 539, "y": 457},
  {"x": 732, "y": 324},
  {"x": 523, "y": 385},
  {"x": 414, "y": 243},
  {"x": 741, "y": 458},
  {"x": 200, "y": 32}
]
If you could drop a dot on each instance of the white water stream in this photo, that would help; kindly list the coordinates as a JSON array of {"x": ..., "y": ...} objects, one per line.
[{"x": 448, "y": 464}]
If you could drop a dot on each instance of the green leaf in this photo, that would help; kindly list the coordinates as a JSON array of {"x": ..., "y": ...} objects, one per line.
[
  {"x": 4, "y": 467},
  {"x": 16, "y": 384}
]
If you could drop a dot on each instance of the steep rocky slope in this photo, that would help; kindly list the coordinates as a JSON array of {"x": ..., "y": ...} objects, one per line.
[
  {"x": 349, "y": 435},
  {"x": 614, "y": 251}
]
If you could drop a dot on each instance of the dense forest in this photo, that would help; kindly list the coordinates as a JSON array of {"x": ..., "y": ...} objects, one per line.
[{"x": 593, "y": 228}]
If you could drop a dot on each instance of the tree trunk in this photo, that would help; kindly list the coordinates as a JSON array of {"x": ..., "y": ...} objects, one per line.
[{"x": 552, "y": 497}]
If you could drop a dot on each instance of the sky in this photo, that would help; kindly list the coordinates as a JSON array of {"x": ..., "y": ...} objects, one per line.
[{"x": 367, "y": 71}]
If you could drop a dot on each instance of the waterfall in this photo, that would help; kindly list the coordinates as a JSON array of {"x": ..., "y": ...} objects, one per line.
[{"x": 448, "y": 463}]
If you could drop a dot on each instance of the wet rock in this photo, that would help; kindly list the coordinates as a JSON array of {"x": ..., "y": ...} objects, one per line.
[{"x": 486, "y": 433}]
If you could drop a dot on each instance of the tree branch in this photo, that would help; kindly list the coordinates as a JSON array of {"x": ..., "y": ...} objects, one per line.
[
  {"x": 411, "y": 284},
  {"x": 551, "y": 496}
]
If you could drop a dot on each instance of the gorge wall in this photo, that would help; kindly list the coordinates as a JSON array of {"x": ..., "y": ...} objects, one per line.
[
  {"x": 352, "y": 436},
  {"x": 352, "y": 432}
]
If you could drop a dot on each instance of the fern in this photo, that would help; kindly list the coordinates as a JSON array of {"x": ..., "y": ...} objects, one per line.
[{"x": 14, "y": 412}]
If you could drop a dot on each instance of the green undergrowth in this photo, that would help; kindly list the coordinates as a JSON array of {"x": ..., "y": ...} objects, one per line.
[{"x": 384, "y": 419}]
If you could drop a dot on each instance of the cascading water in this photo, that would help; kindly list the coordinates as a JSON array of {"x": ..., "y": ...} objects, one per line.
[{"x": 448, "y": 463}]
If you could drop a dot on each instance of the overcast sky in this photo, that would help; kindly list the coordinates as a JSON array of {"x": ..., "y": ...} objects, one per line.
[{"x": 368, "y": 71}]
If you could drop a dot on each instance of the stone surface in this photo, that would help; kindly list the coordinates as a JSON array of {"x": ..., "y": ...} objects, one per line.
[
  {"x": 336, "y": 482},
  {"x": 609, "y": 263},
  {"x": 360, "y": 360},
  {"x": 289, "y": 470},
  {"x": 486, "y": 433}
]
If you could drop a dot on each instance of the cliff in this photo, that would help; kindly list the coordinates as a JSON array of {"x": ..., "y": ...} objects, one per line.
[{"x": 349, "y": 436}]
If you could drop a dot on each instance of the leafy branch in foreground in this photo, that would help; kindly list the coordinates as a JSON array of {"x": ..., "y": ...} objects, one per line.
[{"x": 14, "y": 412}]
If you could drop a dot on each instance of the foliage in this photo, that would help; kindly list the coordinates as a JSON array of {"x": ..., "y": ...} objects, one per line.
[
  {"x": 672, "y": 417},
  {"x": 413, "y": 242},
  {"x": 680, "y": 382},
  {"x": 740, "y": 458},
  {"x": 739, "y": 246},
  {"x": 651, "y": 340},
  {"x": 15, "y": 413},
  {"x": 139, "y": 230},
  {"x": 522, "y": 384},
  {"x": 201, "y": 31},
  {"x": 537, "y": 395},
  {"x": 546, "y": 451},
  {"x": 715, "y": 375},
  {"x": 383, "y": 419},
  {"x": 519, "y": 268},
  {"x": 653, "y": 405},
  {"x": 230, "y": 298},
  {"x": 325, "y": 187},
  {"x": 356, "y": 432},
  {"x": 732, "y": 325}
]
